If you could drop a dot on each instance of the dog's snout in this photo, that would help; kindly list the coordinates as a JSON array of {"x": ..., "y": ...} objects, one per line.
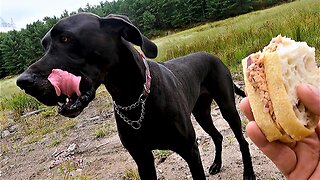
[{"x": 25, "y": 80}]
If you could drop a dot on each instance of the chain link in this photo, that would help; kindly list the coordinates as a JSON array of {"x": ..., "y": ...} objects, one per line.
[
  {"x": 134, "y": 124},
  {"x": 146, "y": 90}
]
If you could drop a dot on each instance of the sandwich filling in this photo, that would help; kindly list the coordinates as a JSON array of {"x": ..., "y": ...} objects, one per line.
[
  {"x": 297, "y": 60},
  {"x": 257, "y": 77}
]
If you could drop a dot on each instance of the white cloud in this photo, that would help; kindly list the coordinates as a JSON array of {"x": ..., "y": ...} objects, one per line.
[{"x": 24, "y": 12}]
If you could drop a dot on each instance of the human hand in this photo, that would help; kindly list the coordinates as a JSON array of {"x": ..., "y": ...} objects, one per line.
[{"x": 298, "y": 160}]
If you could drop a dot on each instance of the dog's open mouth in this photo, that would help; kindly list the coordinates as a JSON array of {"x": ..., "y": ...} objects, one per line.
[
  {"x": 67, "y": 102},
  {"x": 73, "y": 106},
  {"x": 65, "y": 83},
  {"x": 68, "y": 106},
  {"x": 67, "y": 89}
]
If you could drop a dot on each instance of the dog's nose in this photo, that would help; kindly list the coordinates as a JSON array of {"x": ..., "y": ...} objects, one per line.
[{"x": 25, "y": 80}]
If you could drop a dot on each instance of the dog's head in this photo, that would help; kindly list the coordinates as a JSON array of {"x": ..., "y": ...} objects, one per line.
[{"x": 83, "y": 46}]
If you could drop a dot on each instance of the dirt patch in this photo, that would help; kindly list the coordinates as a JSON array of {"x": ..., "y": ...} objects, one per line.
[{"x": 82, "y": 155}]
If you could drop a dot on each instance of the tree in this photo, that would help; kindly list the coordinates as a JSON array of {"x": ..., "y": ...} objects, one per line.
[
  {"x": 148, "y": 20},
  {"x": 18, "y": 49},
  {"x": 2, "y": 67}
]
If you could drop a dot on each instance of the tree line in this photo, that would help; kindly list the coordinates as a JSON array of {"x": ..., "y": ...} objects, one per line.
[{"x": 19, "y": 49}]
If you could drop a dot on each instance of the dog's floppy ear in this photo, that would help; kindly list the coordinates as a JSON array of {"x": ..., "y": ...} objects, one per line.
[{"x": 130, "y": 33}]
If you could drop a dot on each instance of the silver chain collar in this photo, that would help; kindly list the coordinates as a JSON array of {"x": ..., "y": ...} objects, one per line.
[
  {"x": 145, "y": 92},
  {"x": 134, "y": 124}
]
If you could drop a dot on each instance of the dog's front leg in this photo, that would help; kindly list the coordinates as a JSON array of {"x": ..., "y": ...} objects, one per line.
[
  {"x": 192, "y": 156},
  {"x": 145, "y": 162}
]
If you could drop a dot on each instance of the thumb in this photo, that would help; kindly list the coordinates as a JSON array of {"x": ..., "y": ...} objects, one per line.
[{"x": 310, "y": 97}]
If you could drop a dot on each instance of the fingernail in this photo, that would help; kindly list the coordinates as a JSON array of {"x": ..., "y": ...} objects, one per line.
[{"x": 313, "y": 89}]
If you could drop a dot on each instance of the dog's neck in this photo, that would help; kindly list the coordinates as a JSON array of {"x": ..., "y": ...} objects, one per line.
[{"x": 125, "y": 82}]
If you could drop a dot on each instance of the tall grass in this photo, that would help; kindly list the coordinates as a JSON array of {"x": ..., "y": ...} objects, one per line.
[
  {"x": 8, "y": 87},
  {"x": 19, "y": 103},
  {"x": 235, "y": 38}
]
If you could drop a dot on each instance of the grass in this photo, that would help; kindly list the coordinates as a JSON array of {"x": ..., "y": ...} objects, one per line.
[
  {"x": 34, "y": 128},
  {"x": 55, "y": 142},
  {"x": 131, "y": 174},
  {"x": 235, "y": 38},
  {"x": 162, "y": 154},
  {"x": 100, "y": 132},
  {"x": 68, "y": 170},
  {"x": 19, "y": 103},
  {"x": 8, "y": 87}
]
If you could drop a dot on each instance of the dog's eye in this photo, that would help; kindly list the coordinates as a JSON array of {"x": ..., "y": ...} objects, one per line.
[{"x": 64, "y": 39}]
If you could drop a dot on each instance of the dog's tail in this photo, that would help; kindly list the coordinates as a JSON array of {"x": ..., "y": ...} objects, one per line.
[{"x": 238, "y": 91}]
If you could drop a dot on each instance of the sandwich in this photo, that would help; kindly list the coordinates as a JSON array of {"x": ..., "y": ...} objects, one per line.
[{"x": 271, "y": 77}]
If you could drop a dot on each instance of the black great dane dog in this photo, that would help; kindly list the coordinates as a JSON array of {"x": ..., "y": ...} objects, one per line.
[{"x": 153, "y": 101}]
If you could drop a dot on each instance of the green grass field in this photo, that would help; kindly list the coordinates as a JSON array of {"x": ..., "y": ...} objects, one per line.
[
  {"x": 8, "y": 87},
  {"x": 235, "y": 38}
]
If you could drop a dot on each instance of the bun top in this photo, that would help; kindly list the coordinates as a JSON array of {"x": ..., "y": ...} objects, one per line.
[{"x": 298, "y": 66}]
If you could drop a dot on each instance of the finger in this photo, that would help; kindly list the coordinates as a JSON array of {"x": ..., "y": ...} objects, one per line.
[
  {"x": 316, "y": 173},
  {"x": 310, "y": 96},
  {"x": 246, "y": 109},
  {"x": 318, "y": 130},
  {"x": 307, "y": 151},
  {"x": 281, "y": 154}
]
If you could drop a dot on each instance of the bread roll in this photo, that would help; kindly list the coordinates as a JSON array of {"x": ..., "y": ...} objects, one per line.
[{"x": 271, "y": 78}]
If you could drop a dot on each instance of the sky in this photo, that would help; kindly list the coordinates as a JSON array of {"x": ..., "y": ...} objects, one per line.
[{"x": 24, "y": 12}]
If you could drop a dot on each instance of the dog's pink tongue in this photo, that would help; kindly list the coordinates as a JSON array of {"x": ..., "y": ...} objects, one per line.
[{"x": 65, "y": 82}]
